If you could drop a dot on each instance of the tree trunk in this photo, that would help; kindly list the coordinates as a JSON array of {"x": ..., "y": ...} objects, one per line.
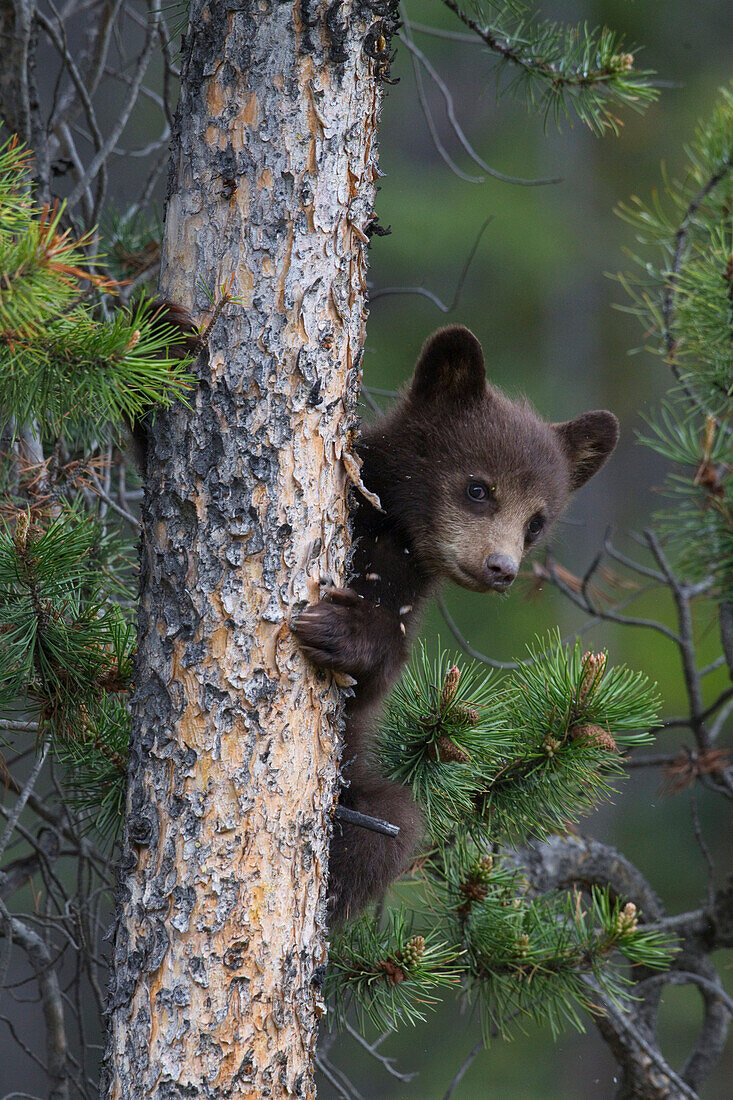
[{"x": 220, "y": 937}]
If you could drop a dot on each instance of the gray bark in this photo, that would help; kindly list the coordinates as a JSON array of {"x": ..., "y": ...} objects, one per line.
[{"x": 220, "y": 938}]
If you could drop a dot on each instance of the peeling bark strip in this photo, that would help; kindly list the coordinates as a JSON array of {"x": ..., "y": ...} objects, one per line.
[{"x": 220, "y": 936}]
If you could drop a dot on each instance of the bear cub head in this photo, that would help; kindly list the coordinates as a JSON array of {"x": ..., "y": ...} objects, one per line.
[{"x": 471, "y": 479}]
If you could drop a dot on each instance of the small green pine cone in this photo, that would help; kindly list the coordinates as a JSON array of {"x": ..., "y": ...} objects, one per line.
[
  {"x": 483, "y": 869},
  {"x": 412, "y": 953},
  {"x": 621, "y": 63},
  {"x": 550, "y": 745}
]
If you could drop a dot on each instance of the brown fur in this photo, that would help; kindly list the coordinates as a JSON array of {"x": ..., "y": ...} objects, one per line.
[{"x": 450, "y": 429}]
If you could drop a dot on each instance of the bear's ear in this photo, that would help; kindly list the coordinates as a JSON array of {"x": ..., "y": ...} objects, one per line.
[
  {"x": 451, "y": 365},
  {"x": 587, "y": 441}
]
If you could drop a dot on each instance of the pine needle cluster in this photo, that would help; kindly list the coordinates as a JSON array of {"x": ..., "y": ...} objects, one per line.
[
  {"x": 520, "y": 756},
  {"x": 72, "y": 372},
  {"x": 495, "y": 762},
  {"x": 561, "y": 71},
  {"x": 528, "y": 957},
  {"x": 684, "y": 299},
  {"x": 389, "y": 973},
  {"x": 61, "y": 365}
]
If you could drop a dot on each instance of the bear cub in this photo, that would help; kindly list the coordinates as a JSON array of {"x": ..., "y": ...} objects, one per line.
[{"x": 469, "y": 481}]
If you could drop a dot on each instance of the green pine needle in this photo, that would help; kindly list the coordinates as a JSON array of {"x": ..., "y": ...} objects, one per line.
[
  {"x": 62, "y": 641},
  {"x": 86, "y": 374},
  {"x": 525, "y": 957},
  {"x": 60, "y": 366},
  {"x": 96, "y": 765},
  {"x": 561, "y": 71},
  {"x": 540, "y": 748},
  {"x": 684, "y": 299},
  {"x": 440, "y": 748},
  {"x": 389, "y": 974}
]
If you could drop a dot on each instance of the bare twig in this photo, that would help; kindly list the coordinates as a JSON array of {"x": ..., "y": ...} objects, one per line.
[
  {"x": 464, "y": 1068},
  {"x": 112, "y": 503},
  {"x": 339, "y": 1080},
  {"x": 607, "y": 614},
  {"x": 419, "y": 57},
  {"x": 53, "y": 1012},
  {"x": 389, "y": 290},
  {"x": 697, "y": 829},
  {"x": 668, "y": 301},
  {"x": 23, "y": 798},
  {"x": 628, "y": 1043},
  {"x": 364, "y": 821},
  {"x": 371, "y": 1048},
  {"x": 125, "y": 108},
  {"x": 685, "y": 644},
  {"x": 58, "y": 37}
]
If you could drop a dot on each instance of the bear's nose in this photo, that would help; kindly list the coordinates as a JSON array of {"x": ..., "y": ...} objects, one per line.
[{"x": 501, "y": 571}]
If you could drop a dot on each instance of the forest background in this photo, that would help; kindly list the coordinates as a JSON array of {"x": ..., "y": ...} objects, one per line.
[{"x": 538, "y": 295}]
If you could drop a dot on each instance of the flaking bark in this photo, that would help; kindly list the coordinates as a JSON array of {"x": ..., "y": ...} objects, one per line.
[{"x": 220, "y": 937}]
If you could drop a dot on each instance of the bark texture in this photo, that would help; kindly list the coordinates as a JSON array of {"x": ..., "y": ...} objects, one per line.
[{"x": 220, "y": 937}]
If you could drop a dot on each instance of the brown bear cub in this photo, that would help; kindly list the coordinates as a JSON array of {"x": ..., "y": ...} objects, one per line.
[{"x": 469, "y": 481}]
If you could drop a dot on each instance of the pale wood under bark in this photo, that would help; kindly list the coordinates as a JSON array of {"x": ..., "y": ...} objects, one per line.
[{"x": 220, "y": 938}]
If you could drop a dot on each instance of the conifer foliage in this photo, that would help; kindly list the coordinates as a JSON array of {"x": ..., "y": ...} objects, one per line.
[
  {"x": 493, "y": 764},
  {"x": 499, "y": 764},
  {"x": 563, "y": 72},
  {"x": 72, "y": 375},
  {"x": 684, "y": 298}
]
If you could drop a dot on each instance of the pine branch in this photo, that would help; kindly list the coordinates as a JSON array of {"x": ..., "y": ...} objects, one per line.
[
  {"x": 522, "y": 755},
  {"x": 528, "y": 953},
  {"x": 521, "y": 956},
  {"x": 442, "y": 723},
  {"x": 389, "y": 974},
  {"x": 561, "y": 69},
  {"x": 686, "y": 300},
  {"x": 59, "y": 365}
]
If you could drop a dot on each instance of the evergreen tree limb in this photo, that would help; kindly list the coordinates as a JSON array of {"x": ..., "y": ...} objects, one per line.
[{"x": 589, "y": 71}]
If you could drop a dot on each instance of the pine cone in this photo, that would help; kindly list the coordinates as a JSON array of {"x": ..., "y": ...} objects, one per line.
[
  {"x": 475, "y": 887},
  {"x": 550, "y": 744},
  {"x": 392, "y": 971},
  {"x": 594, "y": 666},
  {"x": 621, "y": 63},
  {"x": 593, "y": 735},
  {"x": 466, "y": 714},
  {"x": 484, "y": 867},
  {"x": 627, "y": 919},
  {"x": 445, "y": 751},
  {"x": 20, "y": 538},
  {"x": 473, "y": 891},
  {"x": 450, "y": 687}
]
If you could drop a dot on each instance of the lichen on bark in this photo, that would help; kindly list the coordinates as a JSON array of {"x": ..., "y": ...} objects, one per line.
[{"x": 220, "y": 934}]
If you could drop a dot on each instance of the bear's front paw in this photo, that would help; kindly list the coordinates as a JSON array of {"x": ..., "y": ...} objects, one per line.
[{"x": 341, "y": 632}]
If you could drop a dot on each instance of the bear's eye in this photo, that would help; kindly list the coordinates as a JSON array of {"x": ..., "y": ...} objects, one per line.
[
  {"x": 478, "y": 490},
  {"x": 534, "y": 526}
]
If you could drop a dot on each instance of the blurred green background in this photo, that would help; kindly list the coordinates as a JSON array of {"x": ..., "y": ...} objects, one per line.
[{"x": 539, "y": 297}]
